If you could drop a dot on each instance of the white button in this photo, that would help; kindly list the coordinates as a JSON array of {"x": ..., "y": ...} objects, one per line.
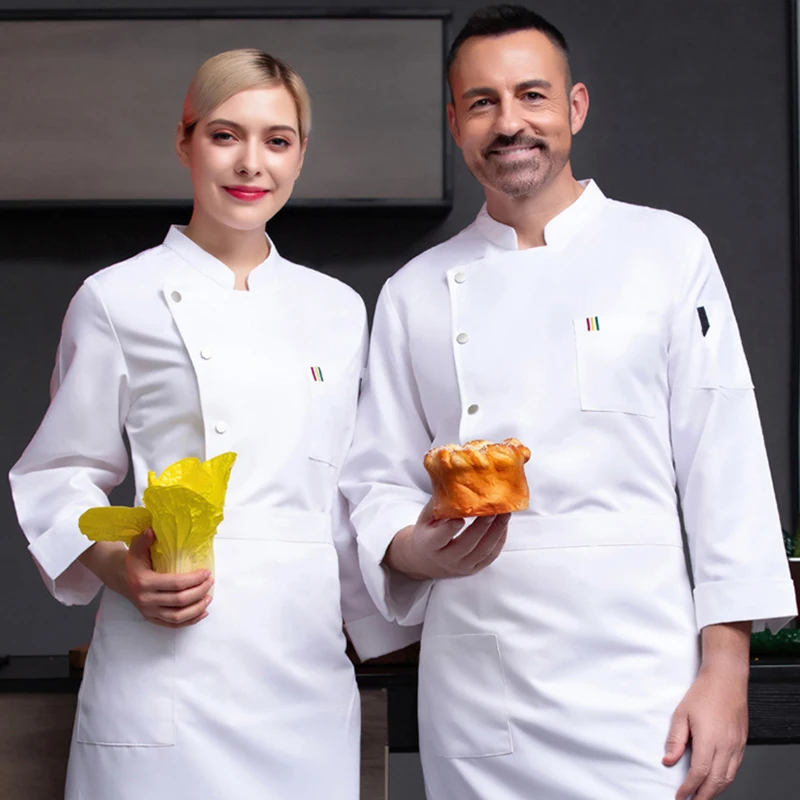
[
  {"x": 459, "y": 277},
  {"x": 220, "y": 427},
  {"x": 473, "y": 409},
  {"x": 205, "y": 354},
  {"x": 176, "y": 296},
  {"x": 462, "y": 338}
]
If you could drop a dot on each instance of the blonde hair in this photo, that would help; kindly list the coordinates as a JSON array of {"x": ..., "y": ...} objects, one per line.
[{"x": 234, "y": 71}]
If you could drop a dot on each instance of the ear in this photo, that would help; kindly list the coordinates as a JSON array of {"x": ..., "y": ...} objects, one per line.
[
  {"x": 453, "y": 123},
  {"x": 182, "y": 145},
  {"x": 302, "y": 157},
  {"x": 578, "y": 106}
]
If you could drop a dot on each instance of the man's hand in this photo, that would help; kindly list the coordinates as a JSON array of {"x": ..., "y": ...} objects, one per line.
[
  {"x": 713, "y": 714},
  {"x": 429, "y": 548}
]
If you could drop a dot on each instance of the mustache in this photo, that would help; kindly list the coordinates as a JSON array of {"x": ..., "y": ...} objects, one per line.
[{"x": 515, "y": 141}]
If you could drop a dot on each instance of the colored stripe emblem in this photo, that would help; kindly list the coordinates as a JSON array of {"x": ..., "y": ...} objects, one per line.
[
  {"x": 316, "y": 373},
  {"x": 592, "y": 323}
]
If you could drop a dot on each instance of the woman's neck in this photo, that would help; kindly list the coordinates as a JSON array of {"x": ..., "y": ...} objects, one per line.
[{"x": 240, "y": 251}]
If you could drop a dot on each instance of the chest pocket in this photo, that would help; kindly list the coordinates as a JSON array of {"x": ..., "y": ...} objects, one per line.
[
  {"x": 326, "y": 423},
  {"x": 618, "y": 360}
]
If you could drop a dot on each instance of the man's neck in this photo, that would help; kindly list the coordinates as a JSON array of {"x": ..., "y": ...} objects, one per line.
[
  {"x": 240, "y": 251},
  {"x": 529, "y": 215}
]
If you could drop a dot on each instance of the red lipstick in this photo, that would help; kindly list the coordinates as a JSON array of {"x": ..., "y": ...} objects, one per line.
[{"x": 247, "y": 193}]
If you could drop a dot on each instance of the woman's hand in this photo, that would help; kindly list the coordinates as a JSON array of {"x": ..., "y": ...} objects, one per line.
[{"x": 174, "y": 601}]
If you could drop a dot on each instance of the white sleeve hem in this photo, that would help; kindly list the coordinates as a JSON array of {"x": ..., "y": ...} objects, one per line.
[
  {"x": 768, "y": 604},
  {"x": 374, "y": 636},
  {"x": 56, "y": 549},
  {"x": 396, "y": 596},
  {"x": 56, "y": 553}
]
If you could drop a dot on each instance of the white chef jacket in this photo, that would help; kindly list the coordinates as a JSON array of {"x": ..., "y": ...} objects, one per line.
[
  {"x": 613, "y": 354},
  {"x": 161, "y": 349}
]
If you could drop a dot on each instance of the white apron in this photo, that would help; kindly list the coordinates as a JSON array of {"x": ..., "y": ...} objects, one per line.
[
  {"x": 554, "y": 672},
  {"x": 258, "y": 701}
]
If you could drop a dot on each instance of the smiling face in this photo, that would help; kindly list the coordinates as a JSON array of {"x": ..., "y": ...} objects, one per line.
[
  {"x": 513, "y": 113},
  {"x": 245, "y": 157}
]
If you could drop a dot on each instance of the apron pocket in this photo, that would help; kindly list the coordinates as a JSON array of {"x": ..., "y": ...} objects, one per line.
[
  {"x": 618, "y": 358},
  {"x": 462, "y": 701},
  {"x": 127, "y": 695}
]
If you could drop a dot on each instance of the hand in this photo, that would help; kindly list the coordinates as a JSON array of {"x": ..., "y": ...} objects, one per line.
[
  {"x": 173, "y": 601},
  {"x": 428, "y": 549},
  {"x": 714, "y": 715}
]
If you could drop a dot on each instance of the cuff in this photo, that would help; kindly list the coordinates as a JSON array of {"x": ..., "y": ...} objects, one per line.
[
  {"x": 374, "y": 636},
  {"x": 56, "y": 553},
  {"x": 406, "y": 598},
  {"x": 396, "y": 596},
  {"x": 769, "y": 604}
]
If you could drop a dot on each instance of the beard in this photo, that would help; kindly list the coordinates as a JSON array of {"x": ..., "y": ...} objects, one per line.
[{"x": 520, "y": 177}]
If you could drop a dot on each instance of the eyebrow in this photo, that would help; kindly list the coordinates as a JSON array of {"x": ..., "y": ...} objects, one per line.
[
  {"x": 481, "y": 91},
  {"x": 231, "y": 124}
]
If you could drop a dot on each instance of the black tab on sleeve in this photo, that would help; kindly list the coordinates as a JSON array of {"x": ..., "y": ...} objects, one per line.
[{"x": 704, "y": 325}]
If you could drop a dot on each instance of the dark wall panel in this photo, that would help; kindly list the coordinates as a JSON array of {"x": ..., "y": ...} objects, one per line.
[{"x": 690, "y": 111}]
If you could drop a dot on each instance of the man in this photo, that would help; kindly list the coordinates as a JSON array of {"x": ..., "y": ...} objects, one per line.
[{"x": 561, "y": 658}]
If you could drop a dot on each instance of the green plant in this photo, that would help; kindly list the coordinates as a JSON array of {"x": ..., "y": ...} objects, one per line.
[{"x": 792, "y": 542}]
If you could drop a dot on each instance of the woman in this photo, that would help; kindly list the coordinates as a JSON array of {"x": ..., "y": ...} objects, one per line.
[{"x": 213, "y": 342}]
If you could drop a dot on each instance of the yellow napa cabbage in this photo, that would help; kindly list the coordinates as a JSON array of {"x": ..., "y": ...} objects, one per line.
[
  {"x": 114, "y": 523},
  {"x": 183, "y": 506}
]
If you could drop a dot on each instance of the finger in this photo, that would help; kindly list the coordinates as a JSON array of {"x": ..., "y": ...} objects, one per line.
[
  {"x": 185, "y": 598},
  {"x": 500, "y": 525},
  {"x": 493, "y": 554},
  {"x": 470, "y": 537},
  {"x": 182, "y": 625},
  {"x": 182, "y": 616},
  {"x": 140, "y": 546},
  {"x": 734, "y": 764},
  {"x": 426, "y": 515},
  {"x": 439, "y": 533},
  {"x": 158, "y": 582},
  {"x": 716, "y": 781},
  {"x": 489, "y": 542},
  {"x": 700, "y": 769},
  {"x": 677, "y": 739}
]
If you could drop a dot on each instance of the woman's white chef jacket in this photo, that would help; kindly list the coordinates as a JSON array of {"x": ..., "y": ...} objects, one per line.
[{"x": 259, "y": 700}]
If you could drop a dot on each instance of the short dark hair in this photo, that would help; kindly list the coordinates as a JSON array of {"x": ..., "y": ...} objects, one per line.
[{"x": 502, "y": 19}]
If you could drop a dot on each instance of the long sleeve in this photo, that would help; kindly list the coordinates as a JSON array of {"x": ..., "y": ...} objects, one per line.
[
  {"x": 78, "y": 454},
  {"x": 383, "y": 478},
  {"x": 371, "y": 634},
  {"x": 730, "y": 514}
]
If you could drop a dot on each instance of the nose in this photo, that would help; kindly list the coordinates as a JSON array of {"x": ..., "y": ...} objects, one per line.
[
  {"x": 249, "y": 158},
  {"x": 508, "y": 121}
]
